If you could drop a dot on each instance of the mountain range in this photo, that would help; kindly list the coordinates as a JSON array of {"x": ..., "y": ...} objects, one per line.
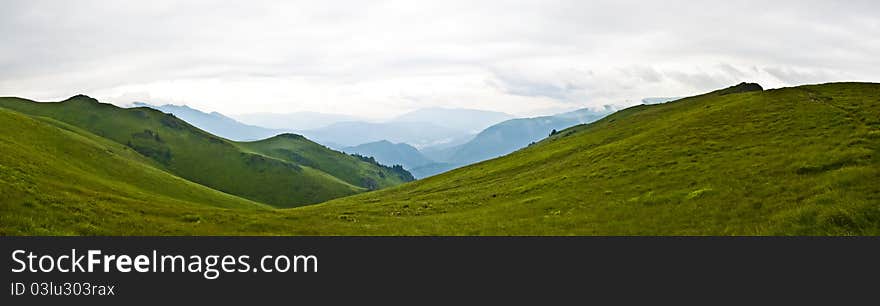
[
  {"x": 494, "y": 141},
  {"x": 216, "y": 123},
  {"x": 425, "y": 142},
  {"x": 421, "y": 128},
  {"x": 388, "y": 153},
  {"x": 737, "y": 161},
  {"x": 417, "y": 134},
  {"x": 504, "y": 138},
  {"x": 432, "y": 124},
  {"x": 455, "y": 148},
  {"x": 299, "y": 121},
  {"x": 468, "y": 120},
  {"x": 511, "y": 135}
]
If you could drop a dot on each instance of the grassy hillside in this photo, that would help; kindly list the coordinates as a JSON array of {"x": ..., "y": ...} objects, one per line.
[
  {"x": 794, "y": 161},
  {"x": 58, "y": 179},
  {"x": 791, "y": 161},
  {"x": 351, "y": 169},
  {"x": 199, "y": 156}
]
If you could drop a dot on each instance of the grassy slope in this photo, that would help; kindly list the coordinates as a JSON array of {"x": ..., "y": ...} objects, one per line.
[
  {"x": 58, "y": 179},
  {"x": 196, "y": 155},
  {"x": 298, "y": 149},
  {"x": 791, "y": 161}
]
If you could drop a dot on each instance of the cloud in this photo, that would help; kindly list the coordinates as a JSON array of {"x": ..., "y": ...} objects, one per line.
[
  {"x": 800, "y": 76},
  {"x": 379, "y": 58},
  {"x": 521, "y": 86}
]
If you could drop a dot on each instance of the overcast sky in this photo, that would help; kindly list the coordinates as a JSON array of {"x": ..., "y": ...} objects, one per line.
[{"x": 381, "y": 58}]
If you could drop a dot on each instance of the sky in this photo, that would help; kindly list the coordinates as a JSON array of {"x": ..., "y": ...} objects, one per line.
[{"x": 377, "y": 59}]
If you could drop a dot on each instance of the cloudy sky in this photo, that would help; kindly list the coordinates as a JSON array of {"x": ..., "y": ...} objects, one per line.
[{"x": 381, "y": 58}]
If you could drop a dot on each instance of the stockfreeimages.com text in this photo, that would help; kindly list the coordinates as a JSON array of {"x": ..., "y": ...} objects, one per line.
[{"x": 210, "y": 266}]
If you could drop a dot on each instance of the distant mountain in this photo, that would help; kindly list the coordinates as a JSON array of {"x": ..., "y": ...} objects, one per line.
[
  {"x": 215, "y": 123},
  {"x": 444, "y": 136},
  {"x": 432, "y": 169},
  {"x": 440, "y": 153},
  {"x": 417, "y": 134},
  {"x": 294, "y": 121},
  {"x": 462, "y": 119},
  {"x": 506, "y": 137},
  {"x": 652, "y": 101},
  {"x": 511, "y": 135},
  {"x": 388, "y": 153}
]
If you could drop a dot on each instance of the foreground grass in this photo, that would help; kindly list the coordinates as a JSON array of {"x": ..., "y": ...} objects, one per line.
[
  {"x": 56, "y": 179},
  {"x": 795, "y": 161}
]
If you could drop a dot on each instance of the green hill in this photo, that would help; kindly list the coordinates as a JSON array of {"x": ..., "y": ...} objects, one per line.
[
  {"x": 798, "y": 160},
  {"x": 793, "y": 161},
  {"x": 198, "y": 156},
  {"x": 351, "y": 169},
  {"x": 58, "y": 179}
]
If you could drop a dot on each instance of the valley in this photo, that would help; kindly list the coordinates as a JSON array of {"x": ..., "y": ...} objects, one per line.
[{"x": 738, "y": 161}]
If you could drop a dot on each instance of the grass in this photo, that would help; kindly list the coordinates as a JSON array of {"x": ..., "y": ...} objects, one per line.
[
  {"x": 60, "y": 180},
  {"x": 793, "y": 161},
  {"x": 228, "y": 166}
]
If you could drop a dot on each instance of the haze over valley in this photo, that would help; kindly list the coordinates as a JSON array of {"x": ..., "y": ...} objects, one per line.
[{"x": 426, "y": 142}]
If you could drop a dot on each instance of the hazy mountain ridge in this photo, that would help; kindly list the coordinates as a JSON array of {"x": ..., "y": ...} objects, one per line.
[
  {"x": 496, "y": 140},
  {"x": 468, "y": 120},
  {"x": 508, "y": 136},
  {"x": 420, "y": 128},
  {"x": 351, "y": 169},
  {"x": 389, "y": 153},
  {"x": 298, "y": 121},
  {"x": 215, "y": 123},
  {"x": 416, "y": 134}
]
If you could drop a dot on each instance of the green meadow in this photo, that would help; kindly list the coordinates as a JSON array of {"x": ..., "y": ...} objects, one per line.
[{"x": 739, "y": 161}]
